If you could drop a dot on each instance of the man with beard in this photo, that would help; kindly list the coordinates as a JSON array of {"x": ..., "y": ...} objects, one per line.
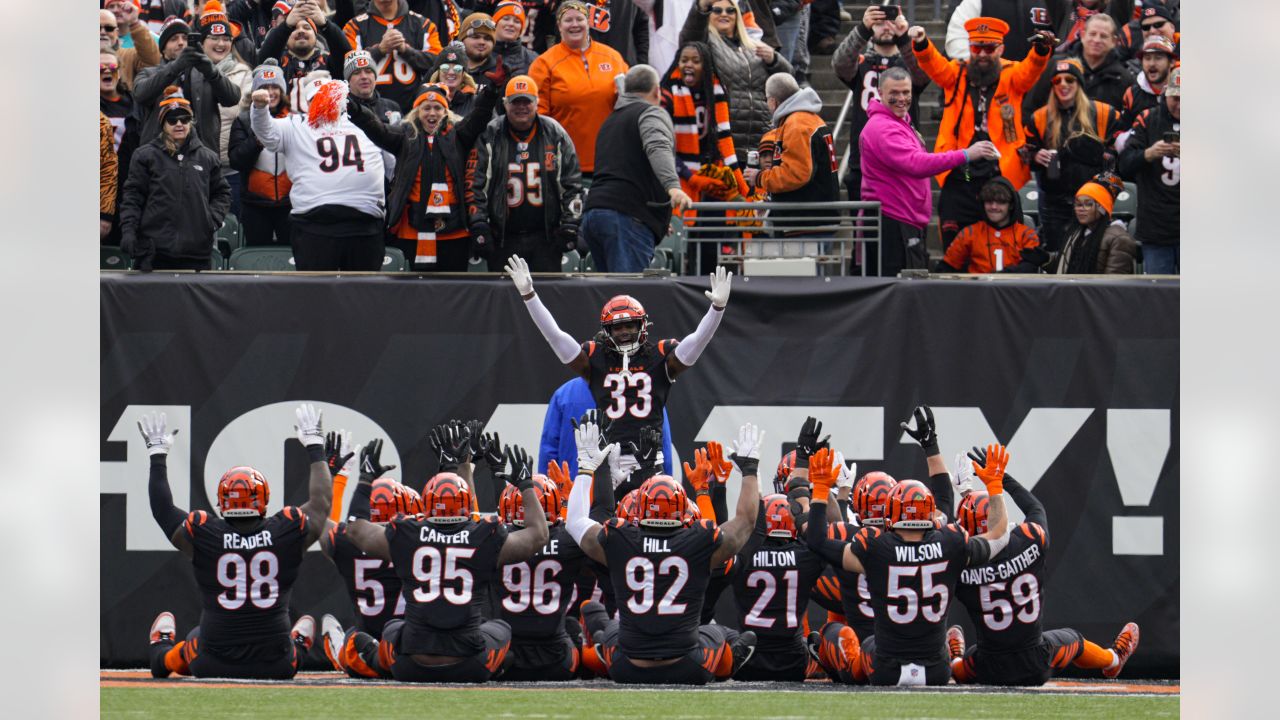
[
  {"x": 1153, "y": 159},
  {"x": 982, "y": 99},
  {"x": 1157, "y": 59},
  {"x": 478, "y": 35},
  {"x": 293, "y": 43},
  {"x": 525, "y": 186},
  {"x": 875, "y": 45},
  {"x": 358, "y": 70}
]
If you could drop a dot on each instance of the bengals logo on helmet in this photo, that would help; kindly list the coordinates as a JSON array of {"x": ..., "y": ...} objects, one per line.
[
  {"x": 629, "y": 506},
  {"x": 507, "y": 504},
  {"x": 548, "y": 497},
  {"x": 972, "y": 513},
  {"x": 911, "y": 506},
  {"x": 871, "y": 497},
  {"x": 243, "y": 492},
  {"x": 447, "y": 499},
  {"x": 785, "y": 466},
  {"x": 778, "y": 520},
  {"x": 662, "y": 502},
  {"x": 387, "y": 499}
]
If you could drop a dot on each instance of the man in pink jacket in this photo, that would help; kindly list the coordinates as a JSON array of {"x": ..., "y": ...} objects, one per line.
[{"x": 896, "y": 169}]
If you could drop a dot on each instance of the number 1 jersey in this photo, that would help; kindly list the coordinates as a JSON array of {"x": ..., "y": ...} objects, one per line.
[{"x": 627, "y": 401}]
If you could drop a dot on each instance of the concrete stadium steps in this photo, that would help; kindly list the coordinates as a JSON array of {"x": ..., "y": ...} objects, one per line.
[{"x": 823, "y": 79}]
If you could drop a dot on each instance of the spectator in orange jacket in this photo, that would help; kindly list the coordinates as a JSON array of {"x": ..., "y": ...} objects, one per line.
[
  {"x": 1000, "y": 242},
  {"x": 982, "y": 100},
  {"x": 575, "y": 79}
]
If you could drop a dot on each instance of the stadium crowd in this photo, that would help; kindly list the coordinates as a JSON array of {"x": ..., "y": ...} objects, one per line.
[{"x": 463, "y": 131}]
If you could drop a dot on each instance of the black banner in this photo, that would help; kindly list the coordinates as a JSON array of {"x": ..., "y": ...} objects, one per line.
[{"x": 1080, "y": 379}]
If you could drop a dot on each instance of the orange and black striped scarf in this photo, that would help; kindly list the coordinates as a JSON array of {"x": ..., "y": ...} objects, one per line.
[{"x": 684, "y": 115}]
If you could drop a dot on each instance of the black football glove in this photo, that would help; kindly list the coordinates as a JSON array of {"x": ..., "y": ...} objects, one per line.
[
  {"x": 333, "y": 453},
  {"x": 490, "y": 448},
  {"x": 521, "y": 468},
  {"x": 924, "y": 431},
  {"x": 371, "y": 467},
  {"x": 452, "y": 443},
  {"x": 648, "y": 448},
  {"x": 807, "y": 442}
]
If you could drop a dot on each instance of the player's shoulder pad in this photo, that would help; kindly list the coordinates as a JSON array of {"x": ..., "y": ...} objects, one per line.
[
  {"x": 294, "y": 513},
  {"x": 667, "y": 345},
  {"x": 1034, "y": 532},
  {"x": 589, "y": 347},
  {"x": 955, "y": 527},
  {"x": 195, "y": 519},
  {"x": 866, "y": 534}
]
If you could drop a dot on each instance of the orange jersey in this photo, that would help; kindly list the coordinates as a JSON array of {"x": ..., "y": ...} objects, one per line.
[
  {"x": 577, "y": 90},
  {"x": 978, "y": 244}
]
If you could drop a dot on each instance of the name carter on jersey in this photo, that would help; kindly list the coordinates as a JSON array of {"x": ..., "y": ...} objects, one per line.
[
  {"x": 1003, "y": 571},
  {"x": 233, "y": 541},
  {"x": 918, "y": 553},
  {"x": 429, "y": 534}
]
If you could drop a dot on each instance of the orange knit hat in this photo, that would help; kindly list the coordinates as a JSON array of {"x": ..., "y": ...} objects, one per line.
[{"x": 1097, "y": 193}]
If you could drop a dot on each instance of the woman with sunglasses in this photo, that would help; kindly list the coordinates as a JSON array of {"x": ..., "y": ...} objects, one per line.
[
  {"x": 742, "y": 63},
  {"x": 1095, "y": 245},
  {"x": 451, "y": 72},
  {"x": 1069, "y": 140},
  {"x": 175, "y": 198},
  {"x": 575, "y": 79}
]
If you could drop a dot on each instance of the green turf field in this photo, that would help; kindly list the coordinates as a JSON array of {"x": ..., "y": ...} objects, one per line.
[{"x": 394, "y": 702}]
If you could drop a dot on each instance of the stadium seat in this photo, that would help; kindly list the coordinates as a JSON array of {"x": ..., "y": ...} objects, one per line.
[
  {"x": 588, "y": 265},
  {"x": 230, "y": 236},
  {"x": 477, "y": 266},
  {"x": 393, "y": 260},
  {"x": 266, "y": 258},
  {"x": 111, "y": 257},
  {"x": 674, "y": 243},
  {"x": 217, "y": 261},
  {"x": 1126, "y": 207},
  {"x": 661, "y": 259},
  {"x": 570, "y": 262},
  {"x": 1030, "y": 194}
]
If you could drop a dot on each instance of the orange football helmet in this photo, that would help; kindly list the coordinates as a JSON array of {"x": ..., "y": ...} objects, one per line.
[
  {"x": 508, "y": 501},
  {"x": 447, "y": 498},
  {"x": 972, "y": 513},
  {"x": 243, "y": 492},
  {"x": 692, "y": 514},
  {"x": 387, "y": 499},
  {"x": 911, "y": 506},
  {"x": 785, "y": 466},
  {"x": 412, "y": 499},
  {"x": 662, "y": 502},
  {"x": 629, "y": 506},
  {"x": 548, "y": 497},
  {"x": 778, "y": 521},
  {"x": 624, "y": 309},
  {"x": 871, "y": 497}
]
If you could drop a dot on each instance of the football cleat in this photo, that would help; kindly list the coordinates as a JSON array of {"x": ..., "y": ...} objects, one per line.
[
  {"x": 955, "y": 642},
  {"x": 743, "y": 649},
  {"x": 850, "y": 646},
  {"x": 812, "y": 643},
  {"x": 1126, "y": 642},
  {"x": 331, "y": 629},
  {"x": 163, "y": 628},
  {"x": 304, "y": 630}
]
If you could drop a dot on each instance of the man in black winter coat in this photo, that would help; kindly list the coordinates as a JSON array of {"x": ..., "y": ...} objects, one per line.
[
  {"x": 1106, "y": 75},
  {"x": 295, "y": 46},
  {"x": 175, "y": 198},
  {"x": 510, "y": 20},
  {"x": 360, "y": 72},
  {"x": 1153, "y": 159}
]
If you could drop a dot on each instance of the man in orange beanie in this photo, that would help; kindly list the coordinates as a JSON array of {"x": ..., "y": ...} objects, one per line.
[{"x": 982, "y": 100}]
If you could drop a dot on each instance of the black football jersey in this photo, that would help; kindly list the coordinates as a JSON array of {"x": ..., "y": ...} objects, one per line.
[
  {"x": 445, "y": 572},
  {"x": 629, "y": 400},
  {"x": 911, "y": 585},
  {"x": 660, "y": 580},
  {"x": 771, "y": 586},
  {"x": 536, "y": 592},
  {"x": 245, "y": 577},
  {"x": 1003, "y": 596},
  {"x": 371, "y": 582},
  {"x": 855, "y": 596}
]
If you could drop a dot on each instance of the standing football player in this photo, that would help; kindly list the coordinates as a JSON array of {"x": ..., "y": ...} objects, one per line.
[
  {"x": 446, "y": 561},
  {"x": 629, "y": 375},
  {"x": 245, "y": 564},
  {"x": 911, "y": 568},
  {"x": 659, "y": 568},
  {"x": 1004, "y": 602}
]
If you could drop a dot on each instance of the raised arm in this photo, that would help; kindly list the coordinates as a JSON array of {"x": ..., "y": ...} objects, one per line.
[
  {"x": 822, "y": 473},
  {"x": 320, "y": 488},
  {"x": 584, "y": 530},
  {"x": 168, "y": 516},
  {"x": 925, "y": 433},
  {"x": 523, "y": 544},
  {"x": 691, "y": 347},
  {"x": 735, "y": 532},
  {"x": 265, "y": 127},
  {"x": 992, "y": 476},
  {"x": 562, "y": 343}
]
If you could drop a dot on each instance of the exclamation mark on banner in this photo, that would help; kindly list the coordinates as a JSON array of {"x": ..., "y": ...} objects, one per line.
[{"x": 1138, "y": 443}]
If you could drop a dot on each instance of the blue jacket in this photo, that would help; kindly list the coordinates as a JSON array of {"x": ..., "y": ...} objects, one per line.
[{"x": 571, "y": 400}]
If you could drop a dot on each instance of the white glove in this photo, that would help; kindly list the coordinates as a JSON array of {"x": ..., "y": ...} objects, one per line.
[
  {"x": 748, "y": 442},
  {"x": 153, "y": 432},
  {"x": 844, "y": 474},
  {"x": 590, "y": 454},
  {"x": 351, "y": 468},
  {"x": 621, "y": 466},
  {"x": 962, "y": 478},
  {"x": 309, "y": 427},
  {"x": 721, "y": 279},
  {"x": 519, "y": 271}
]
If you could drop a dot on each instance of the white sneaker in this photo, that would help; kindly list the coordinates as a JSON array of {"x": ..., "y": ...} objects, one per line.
[
  {"x": 305, "y": 628},
  {"x": 163, "y": 628},
  {"x": 333, "y": 635}
]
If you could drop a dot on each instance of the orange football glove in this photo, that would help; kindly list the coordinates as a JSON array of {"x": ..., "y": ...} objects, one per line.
[
  {"x": 699, "y": 474},
  {"x": 822, "y": 474},
  {"x": 558, "y": 473},
  {"x": 719, "y": 466},
  {"x": 992, "y": 474}
]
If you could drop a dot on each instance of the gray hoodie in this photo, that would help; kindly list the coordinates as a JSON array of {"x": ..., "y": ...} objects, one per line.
[
  {"x": 806, "y": 100},
  {"x": 659, "y": 138}
]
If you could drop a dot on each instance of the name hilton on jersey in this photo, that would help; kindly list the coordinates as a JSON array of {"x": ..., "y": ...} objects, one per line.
[
  {"x": 774, "y": 558},
  {"x": 1004, "y": 571}
]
